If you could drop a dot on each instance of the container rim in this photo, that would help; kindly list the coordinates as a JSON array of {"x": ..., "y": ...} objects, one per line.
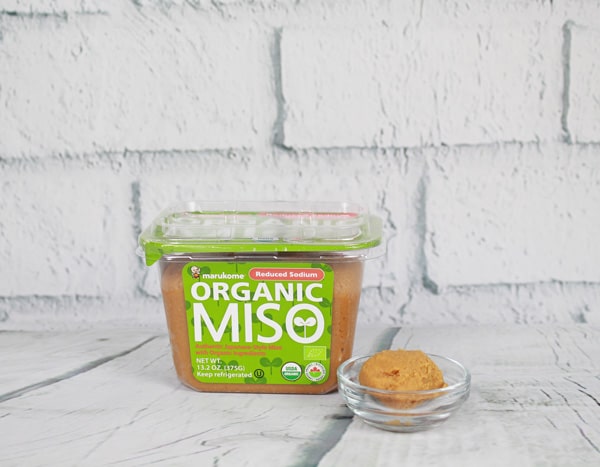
[{"x": 267, "y": 227}]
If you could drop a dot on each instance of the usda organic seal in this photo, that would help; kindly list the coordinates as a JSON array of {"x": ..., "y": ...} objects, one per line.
[{"x": 291, "y": 371}]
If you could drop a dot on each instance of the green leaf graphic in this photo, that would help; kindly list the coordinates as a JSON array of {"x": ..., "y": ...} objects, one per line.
[
  {"x": 277, "y": 362},
  {"x": 267, "y": 363}
]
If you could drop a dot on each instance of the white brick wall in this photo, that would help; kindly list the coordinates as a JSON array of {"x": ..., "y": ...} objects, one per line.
[
  {"x": 60, "y": 232},
  {"x": 471, "y": 127},
  {"x": 513, "y": 214},
  {"x": 432, "y": 86},
  {"x": 91, "y": 83}
]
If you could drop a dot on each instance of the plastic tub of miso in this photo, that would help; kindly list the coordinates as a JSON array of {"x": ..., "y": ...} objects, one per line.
[{"x": 261, "y": 297}]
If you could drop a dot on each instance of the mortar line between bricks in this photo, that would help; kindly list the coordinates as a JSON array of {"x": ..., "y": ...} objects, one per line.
[
  {"x": 566, "y": 63},
  {"x": 541, "y": 283},
  {"x": 278, "y": 124},
  {"x": 71, "y": 374},
  {"x": 64, "y": 14},
  {"x": 426, "y": 281}
]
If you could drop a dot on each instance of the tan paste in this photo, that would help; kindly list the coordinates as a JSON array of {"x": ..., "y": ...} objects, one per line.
[{"x": 402, "y": 370}]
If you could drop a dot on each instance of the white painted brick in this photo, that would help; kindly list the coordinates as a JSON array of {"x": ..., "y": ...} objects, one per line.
[
  {"x": 59, "y": 232},
  {"x": 93, "y": 82},
  {"x": 459, "y": 84},
  {"x": 514, "y": 214},
  {"x": 584, "y": 85},
  {"x": 578, "y": 12}
]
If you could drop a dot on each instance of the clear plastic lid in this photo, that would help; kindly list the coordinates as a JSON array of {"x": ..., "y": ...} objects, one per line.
[{"x": 213, "y": 227}]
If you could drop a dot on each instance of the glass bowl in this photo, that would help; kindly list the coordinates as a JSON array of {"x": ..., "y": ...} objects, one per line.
[{"x": 404, "y": 411}]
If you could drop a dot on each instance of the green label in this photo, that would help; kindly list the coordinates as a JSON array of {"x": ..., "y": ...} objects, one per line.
[{"x": 265, "y": 323}]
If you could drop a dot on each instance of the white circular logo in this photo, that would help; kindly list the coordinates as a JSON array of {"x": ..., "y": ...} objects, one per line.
[{"x": 315, "y": 371}]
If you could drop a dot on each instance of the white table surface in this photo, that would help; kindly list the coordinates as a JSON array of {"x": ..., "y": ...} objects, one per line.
[{"x": 112, "y": 398}]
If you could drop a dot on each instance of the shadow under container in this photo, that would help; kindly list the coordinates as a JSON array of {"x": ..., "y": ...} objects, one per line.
[{"x": 261, "y": 297}]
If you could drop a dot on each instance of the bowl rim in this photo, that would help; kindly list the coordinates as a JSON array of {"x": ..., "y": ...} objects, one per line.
[{"x": 463, "y": 384}]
